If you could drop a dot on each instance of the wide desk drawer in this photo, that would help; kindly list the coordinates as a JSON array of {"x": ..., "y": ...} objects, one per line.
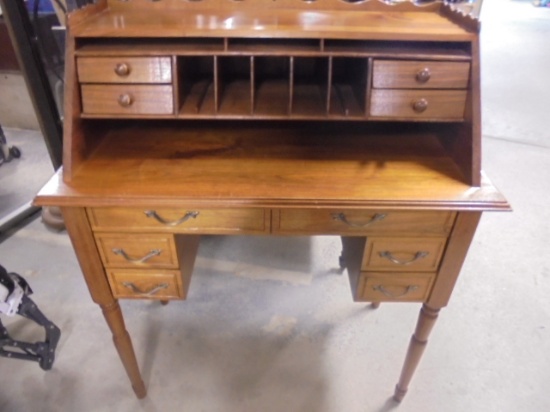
[
  {"x": 418, "y": 104},
  {"x": 349, "y": 222},
  {"x": 178, "y": 220},
  {"x": 398, "y": 254},
  {"x": 120, "y": 99},
  {"x": 394, "y": 287},
  {"x": 147, "y": 250},
  {"x": 396, "y": 74},
  {"x": 146, "y": 284},
  {"x": 124, "y": 69}
]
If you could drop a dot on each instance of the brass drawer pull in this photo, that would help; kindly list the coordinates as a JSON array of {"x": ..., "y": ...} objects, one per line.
[
  {"x": 385, "y": 292},
  {"x": 393, "y": 259},
  {"x": 151, "y": 254},
  {"x": 422, "y": 76},
  {"x": 122, "y": 69},
  {"x": 150, "y": 292},
  {"x": 342, "y": 217},
  {"x": 160, "y": 219},
  {"x": 125, "y": 100}
]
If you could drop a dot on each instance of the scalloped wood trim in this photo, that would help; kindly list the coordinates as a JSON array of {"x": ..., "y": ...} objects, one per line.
[
  {"x": 459, "y": 17},
  {"x": 309, "y": 5},
  {"x": 78, "y": 16}
]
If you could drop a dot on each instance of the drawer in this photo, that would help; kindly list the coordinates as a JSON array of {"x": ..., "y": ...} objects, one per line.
[
  {"x": 124, "y": 69},
  {"x": 394, "y": 287},
  {"x": 349, "y": 222},
  {"x": 180, "y": 220},
  {"x": 146, "y": 284},
  {"x": 398, "y": 254},
  {"x": 129, "y": 99},
  {"x": 395, "y": 74},
  {"x": 148, "y": 250},
  {"x": 418, "y": 104}
]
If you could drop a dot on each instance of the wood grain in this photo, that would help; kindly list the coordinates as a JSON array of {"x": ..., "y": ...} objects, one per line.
[
  {"x": 396, "y": 74},
  {"x": 398, "y": 104},
  {"x": 139, "y": 70}
]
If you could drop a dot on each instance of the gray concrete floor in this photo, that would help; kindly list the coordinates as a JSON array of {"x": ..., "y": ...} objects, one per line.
[{"x": 270, "y": 326}]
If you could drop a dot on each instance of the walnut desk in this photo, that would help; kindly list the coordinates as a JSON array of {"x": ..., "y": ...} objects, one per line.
[{"x": 355, "y": 119}]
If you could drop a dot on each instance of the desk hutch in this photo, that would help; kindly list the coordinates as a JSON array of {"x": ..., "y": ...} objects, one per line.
[{"x": 359, "y": 119}]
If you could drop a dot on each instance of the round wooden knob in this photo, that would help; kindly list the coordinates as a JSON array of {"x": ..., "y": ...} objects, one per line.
[
  {"x": 420, "y": 105},
  {"x": 125, "y": 100},
  {"x": 423, "y": 75},
  {"x": 122, "y": 69}
]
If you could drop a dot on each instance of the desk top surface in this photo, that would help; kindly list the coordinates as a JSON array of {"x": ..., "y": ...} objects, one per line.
[{"x": 269, "y": 165}]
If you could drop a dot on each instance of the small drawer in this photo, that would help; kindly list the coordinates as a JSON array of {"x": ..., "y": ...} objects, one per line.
[
  {"x": 155, "y": 251},
  {"x": 394, "y": 287},
  {"x": 180, "y": 220},
  {"x": 146, "y": 284},
  {"x": 398, "y": 254},
  {"x": 124, "y": 69},
  {"x": 418, "y": 104},
  {"x": 395, "y": 74},
  {"x": 353, "y": 221},
  {"x": 126, "y": 99}
]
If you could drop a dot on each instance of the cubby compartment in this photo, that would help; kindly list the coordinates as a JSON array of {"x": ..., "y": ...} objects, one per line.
[
  {"x": 197, "y": 85},
  {"x": 234, "y": 90},
  {"x": 271, "y": 91},
  {"x": 309, "y": 85},
  {"x": 348, "y": 86}
]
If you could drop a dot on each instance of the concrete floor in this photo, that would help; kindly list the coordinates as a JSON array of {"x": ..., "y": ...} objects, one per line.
[{"x": 270, "y": 326}]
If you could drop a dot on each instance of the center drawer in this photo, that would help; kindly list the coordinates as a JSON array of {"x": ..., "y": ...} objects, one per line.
[
  {"x": 353, "y": 221},
  {"x": 179, "y": 220}
]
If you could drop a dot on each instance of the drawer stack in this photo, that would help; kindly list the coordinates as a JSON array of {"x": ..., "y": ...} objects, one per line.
[
  {"x": 400, "y": 258},
  {"x": 126, "y": 86},
  {"x": 423, "y": 90},
  {"x": 150, "y": 253}
]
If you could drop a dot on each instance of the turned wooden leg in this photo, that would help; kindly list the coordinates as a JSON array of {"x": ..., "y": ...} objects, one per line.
[
  {"x": 123, "y": 345},
  {"x": 375, "y": 305},
  {"x": 426, "y": 321},
  {"x": 83, "y": 241},
  {"x": 164, "y": 302}
]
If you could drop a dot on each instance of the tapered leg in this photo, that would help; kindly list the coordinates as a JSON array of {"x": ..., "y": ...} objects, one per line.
[
  {"x": 90, "y": 262},
  {"x": 418, "y": 343}
]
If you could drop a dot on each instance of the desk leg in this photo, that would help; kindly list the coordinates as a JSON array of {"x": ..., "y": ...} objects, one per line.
[
  {"x": 84, "y": 245},
  {"x": 418, "y": 343}
]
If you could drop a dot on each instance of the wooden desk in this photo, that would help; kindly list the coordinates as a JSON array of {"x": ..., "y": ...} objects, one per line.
[{"x": 353, "y": 119}]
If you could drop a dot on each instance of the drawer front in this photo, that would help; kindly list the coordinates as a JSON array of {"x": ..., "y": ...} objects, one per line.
[
  {"x": 124, "y": 69},
  {"x": 156, "y": 251},
  {"x": 179, "y": 220},
  {"x": 399, "y": 254},
  {"x": 126, "y": 99},
  {"x": 395, "y": 74},
  {"x": 394, "y": 287},
  {"x": 349, "y": 222},
  {"x": 146, "y": 284},
  {"x": 418, "y": 104}
]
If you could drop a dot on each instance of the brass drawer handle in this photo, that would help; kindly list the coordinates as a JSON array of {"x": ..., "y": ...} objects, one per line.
[
  {"x": 160, "y": 219},
  {"x": 393, "y": 259},
  {"x": 422, "y": 76},
  {"x": 136, "y": 290},
  {"x": 420, "y": 105},
  {"x": 342, "y": 218},
  {"x": 151, "y": 254},
  {"x": 385, "y": 292},
  {"x": 125, "y": 100},
  {"x": 122, "y": 69}
]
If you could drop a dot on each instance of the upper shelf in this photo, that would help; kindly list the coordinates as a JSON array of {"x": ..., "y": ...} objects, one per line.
[{"x": 369, "y": 20}]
